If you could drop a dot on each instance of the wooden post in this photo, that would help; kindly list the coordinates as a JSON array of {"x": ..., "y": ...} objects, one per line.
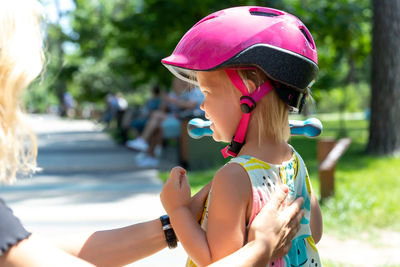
[
  {"x": 329, "y": 153},
  {"x": 327, "y": 183},
  {"x": 326, "y": 178},
  {"x": 324, "y": 146}
]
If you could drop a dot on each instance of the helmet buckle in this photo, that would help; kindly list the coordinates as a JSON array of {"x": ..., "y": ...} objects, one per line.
[{"x": 247, "y": 104}]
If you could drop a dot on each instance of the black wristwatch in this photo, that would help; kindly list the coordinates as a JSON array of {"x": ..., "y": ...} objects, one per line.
[{"x": 169, "y": 233}]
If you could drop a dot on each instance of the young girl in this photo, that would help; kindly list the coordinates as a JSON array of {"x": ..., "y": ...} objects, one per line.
[{"x": 253, "y": 65}]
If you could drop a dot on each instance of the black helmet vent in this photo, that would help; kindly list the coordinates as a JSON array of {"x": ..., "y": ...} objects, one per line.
[
  {"x": 265, "y": 14},
  {"x": 306, "y": 35}
]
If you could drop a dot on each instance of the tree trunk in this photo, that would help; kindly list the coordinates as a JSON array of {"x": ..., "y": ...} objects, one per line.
[{"x": 384, "y": 129}]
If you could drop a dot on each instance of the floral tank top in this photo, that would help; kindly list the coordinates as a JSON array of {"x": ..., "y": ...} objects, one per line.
[{"x": 264, "y": 178}]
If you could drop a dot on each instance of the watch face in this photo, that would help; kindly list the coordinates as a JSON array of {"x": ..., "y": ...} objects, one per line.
[{"x": 164, "y": 220}]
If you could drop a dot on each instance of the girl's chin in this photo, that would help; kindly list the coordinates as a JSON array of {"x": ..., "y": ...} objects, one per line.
[
  {"x": 218, "y": 138},
  {"x": 215, "y": 137}
]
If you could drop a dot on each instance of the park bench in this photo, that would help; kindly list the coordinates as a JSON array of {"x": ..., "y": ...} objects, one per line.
[{"x": 329, "y": 152}]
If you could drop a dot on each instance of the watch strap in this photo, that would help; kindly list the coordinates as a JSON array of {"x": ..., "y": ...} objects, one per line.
[{"x": 169, "y": 233}]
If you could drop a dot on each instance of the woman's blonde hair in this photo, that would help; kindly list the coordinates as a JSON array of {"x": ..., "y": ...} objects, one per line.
[
  {"x": 271, "y": 113},
  {"x": 21, "y": 61}
]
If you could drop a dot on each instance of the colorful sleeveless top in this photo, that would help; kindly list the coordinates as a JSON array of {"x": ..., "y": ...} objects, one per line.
[{"x": 264, "y": 178}]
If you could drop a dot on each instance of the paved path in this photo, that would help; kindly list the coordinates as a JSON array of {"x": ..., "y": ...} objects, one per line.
[
  {"x": 371, "y": 249},
  {"x": 89, "y": 183}
]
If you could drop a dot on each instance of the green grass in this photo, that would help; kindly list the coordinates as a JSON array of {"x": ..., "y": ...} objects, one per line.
[{"x": 366, "y": 187}]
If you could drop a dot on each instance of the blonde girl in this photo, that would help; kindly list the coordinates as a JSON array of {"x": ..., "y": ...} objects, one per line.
[{"x": 253, "y": 65}]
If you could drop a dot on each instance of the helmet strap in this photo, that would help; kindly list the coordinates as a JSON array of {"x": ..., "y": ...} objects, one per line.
[{"x": 247, "y": 104}]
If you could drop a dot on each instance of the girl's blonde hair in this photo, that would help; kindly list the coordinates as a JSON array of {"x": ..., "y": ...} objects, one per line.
[
  {"x": 21, "y": 61},
  {"x": 271, "y": 113}
]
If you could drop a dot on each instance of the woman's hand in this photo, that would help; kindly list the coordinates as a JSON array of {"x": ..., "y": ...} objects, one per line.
[
  {"x": 275, "y": 225},
  {"x": 176, "y": 191}
]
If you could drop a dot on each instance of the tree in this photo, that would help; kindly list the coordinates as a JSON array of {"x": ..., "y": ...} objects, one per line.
[
  {"x": 121, "y": 43},
  {"x": 117, "y": 45},
  {"x": 343, "y": 43},
  {"x": 384, "y": 129}
]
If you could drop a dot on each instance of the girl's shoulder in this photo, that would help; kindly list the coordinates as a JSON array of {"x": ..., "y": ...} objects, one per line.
[
  {"x": 231, "y": 177},
  {"x": 231, "y": 172},
  {"x": 231, "y": 188}
]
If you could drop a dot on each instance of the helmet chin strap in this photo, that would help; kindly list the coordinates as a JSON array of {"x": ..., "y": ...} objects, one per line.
[{"x": 247, "y": 104}]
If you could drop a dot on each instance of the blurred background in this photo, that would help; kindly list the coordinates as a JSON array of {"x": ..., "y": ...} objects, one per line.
[{"x": 99, "y": 47}]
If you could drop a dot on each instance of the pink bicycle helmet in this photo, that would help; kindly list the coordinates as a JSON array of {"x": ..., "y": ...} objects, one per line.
[
  {"x": 274, "y": 41},
  {"x": 250, "y": 37}
]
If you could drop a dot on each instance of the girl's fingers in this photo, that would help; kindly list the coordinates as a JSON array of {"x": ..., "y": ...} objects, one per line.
[
  {"x": 183, "y": 181},
  {"x": 178, "y": 177}
]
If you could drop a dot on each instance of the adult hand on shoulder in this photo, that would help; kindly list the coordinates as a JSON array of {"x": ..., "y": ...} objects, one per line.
[
  {"x": 277, "y": 225},
  {"x": 176, "y": 191}
]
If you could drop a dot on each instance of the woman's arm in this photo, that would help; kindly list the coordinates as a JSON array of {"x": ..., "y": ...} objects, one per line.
[
  {"x": 131, "y": 243},
  {"x": 35, "y": 252},
  {"x": 114, "y": 247},
  {"x": 124, "y": 245}
]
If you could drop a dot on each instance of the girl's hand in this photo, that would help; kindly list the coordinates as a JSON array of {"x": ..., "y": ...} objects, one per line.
[
  {"x": 176, "y": 191},
  {"x": 276, "y": 226}
]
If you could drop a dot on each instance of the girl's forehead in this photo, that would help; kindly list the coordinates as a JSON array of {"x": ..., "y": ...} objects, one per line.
[{"x": 210, "y": 78}]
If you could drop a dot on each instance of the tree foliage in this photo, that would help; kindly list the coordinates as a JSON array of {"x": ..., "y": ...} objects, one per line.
[{"x": 117, "y": 45}]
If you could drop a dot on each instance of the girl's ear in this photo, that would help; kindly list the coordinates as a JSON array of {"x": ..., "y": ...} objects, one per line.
[{"x": 251, "y": 86}]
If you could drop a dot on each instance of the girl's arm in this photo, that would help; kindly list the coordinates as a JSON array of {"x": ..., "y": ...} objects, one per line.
[
  {"x": 226, "y": 217},
  {"x": 175, "y": 199},
  {"x": 316, "y": 224},
  {"x": 270, "y": 233},
  {"x": 230, "y": 204}
]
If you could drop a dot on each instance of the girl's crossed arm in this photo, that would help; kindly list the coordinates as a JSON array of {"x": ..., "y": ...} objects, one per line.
[{"x": 226, "y": 228}]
